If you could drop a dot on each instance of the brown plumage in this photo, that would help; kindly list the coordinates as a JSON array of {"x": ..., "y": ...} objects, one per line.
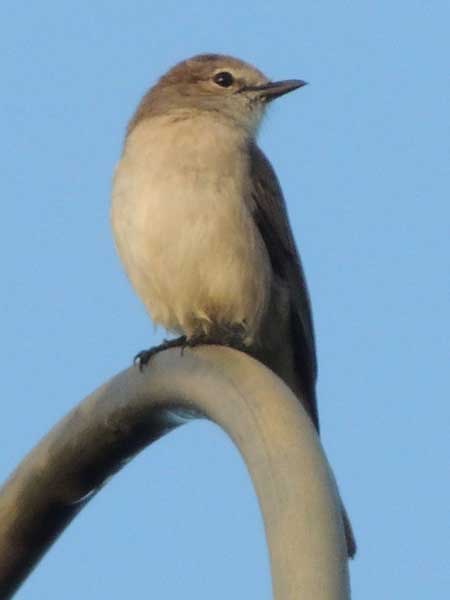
[{"x": 201, "y": 225}]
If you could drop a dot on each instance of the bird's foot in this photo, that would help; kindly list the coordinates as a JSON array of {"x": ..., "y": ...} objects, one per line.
[
  {"x": 142, "y": 358},
  {"x": 231, "y": 337}
]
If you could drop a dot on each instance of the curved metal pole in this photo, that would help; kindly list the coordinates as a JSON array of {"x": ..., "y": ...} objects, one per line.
[{"x": 291, "y": 476}]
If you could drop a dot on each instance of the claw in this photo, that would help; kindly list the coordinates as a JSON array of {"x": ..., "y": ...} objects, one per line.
[{"x": 142, "y": 358}]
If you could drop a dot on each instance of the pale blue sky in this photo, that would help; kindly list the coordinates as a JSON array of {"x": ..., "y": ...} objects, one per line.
[{"x": 363, "y": 157}]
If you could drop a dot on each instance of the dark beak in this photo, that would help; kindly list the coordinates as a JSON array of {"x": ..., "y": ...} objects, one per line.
[{"x": 274, "y": 89}]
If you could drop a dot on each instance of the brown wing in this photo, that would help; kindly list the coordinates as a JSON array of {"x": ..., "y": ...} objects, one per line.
[{"x": 271, "y": 218}]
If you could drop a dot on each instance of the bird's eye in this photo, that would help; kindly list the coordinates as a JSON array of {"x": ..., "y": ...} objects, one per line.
[{"x": 224, "y": 79}]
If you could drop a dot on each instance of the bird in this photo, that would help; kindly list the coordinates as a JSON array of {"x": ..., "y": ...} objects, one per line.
[{"x": 200, "y": 223}]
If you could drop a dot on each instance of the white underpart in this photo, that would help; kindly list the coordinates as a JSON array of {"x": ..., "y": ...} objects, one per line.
[{"x": 183, "y": 227}]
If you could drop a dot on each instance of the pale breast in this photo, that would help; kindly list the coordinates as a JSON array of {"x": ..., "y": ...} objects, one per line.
[{"x": 183, "y": 228}]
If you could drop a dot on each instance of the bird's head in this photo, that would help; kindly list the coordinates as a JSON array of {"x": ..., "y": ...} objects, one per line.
[{"x": 227, "y": 86}]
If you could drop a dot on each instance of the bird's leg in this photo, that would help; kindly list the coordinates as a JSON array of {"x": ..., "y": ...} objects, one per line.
[{"x": 143, "y": 357}]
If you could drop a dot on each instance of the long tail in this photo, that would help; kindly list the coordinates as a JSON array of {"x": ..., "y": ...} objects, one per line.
[{"x": 349, "y": 537}]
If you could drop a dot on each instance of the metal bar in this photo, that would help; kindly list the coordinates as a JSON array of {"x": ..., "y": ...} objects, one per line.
[{"x": 294, "y": 484}]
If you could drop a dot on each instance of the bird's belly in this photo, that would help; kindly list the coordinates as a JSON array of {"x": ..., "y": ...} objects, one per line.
[{"x": 191, "y": 250}]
